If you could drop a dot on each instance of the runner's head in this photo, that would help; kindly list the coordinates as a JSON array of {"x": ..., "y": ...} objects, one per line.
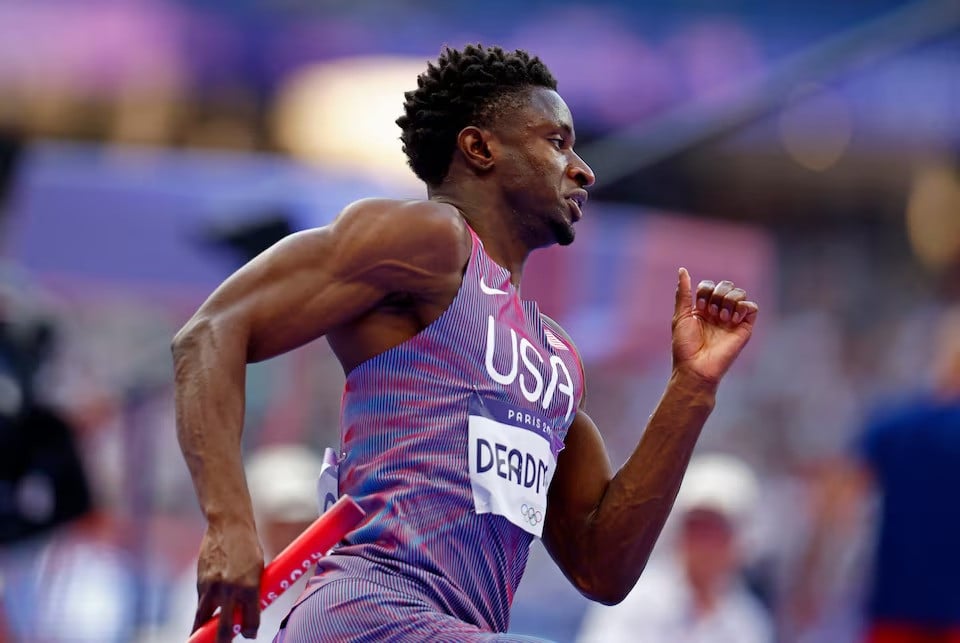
[{"x": 483, "y": 114}]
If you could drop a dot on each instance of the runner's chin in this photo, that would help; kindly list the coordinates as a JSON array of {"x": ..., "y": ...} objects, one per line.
[
  {"x": 562, "y": 228},
  {"x": 563, "y": 232}
]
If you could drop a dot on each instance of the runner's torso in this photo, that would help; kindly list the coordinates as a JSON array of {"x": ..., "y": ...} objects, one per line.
[{"x": 448, "y": 442}]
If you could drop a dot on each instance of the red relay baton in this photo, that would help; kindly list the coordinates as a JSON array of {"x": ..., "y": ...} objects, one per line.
[{"x": 295, "y": 560}]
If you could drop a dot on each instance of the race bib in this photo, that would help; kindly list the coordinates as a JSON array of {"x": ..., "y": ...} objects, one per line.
[
  {"x": 511, "y": 462},
  {"x": 328, "y": 481}
]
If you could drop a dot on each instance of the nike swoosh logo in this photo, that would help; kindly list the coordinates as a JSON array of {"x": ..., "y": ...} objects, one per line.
[{"x": 487, "y": 290}]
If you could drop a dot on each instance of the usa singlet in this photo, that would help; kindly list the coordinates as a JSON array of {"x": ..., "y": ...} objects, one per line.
[{"x": 449, "y": 442}]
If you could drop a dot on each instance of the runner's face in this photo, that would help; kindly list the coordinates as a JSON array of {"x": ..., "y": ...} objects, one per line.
[{"x": 541, "y": 176}]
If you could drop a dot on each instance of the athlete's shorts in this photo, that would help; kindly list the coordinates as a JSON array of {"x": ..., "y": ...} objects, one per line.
[{"x": 359, "y": 610}]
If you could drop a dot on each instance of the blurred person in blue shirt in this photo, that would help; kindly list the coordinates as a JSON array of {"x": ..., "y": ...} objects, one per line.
[
  {"x": 912, "y": 456},
  {"x": 908, "y": 458}
]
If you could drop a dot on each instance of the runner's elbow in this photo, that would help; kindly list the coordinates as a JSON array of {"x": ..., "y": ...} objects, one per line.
[
  {"x": 606, "y": 589},
  {"x": 606, "y": 596},
  {"x": 188, "y": 337}
]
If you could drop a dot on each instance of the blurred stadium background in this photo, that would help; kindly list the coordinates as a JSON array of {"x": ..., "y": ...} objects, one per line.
[{"x": 807, "y": 150}]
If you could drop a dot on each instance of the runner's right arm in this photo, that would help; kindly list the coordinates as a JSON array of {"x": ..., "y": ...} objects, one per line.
[{"x": 305, "y": 286}]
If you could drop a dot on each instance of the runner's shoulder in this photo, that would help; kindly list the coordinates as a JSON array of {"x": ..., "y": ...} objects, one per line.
[{"x": 427, "y": 230}]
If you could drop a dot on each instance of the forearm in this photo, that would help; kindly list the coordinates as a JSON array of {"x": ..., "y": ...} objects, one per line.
[
  {"x": 627, "y": 522},
  {"x": 210, "y": 373}
]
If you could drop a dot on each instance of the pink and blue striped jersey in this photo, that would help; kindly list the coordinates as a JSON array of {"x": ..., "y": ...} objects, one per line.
[{"x": 404, "y": 449}]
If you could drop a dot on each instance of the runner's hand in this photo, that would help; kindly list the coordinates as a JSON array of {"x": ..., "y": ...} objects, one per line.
[
  {"x": 228, "y": 578},
  {"x": 710, "y": 332}
]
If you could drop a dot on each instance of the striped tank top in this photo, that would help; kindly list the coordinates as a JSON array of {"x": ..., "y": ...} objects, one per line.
[{"x": 405, "y": 452}]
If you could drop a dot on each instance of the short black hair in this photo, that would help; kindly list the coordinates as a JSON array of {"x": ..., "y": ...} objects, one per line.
[{"x": 462, "y": 88}]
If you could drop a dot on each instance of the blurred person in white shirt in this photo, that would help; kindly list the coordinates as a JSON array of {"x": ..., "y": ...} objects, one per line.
[
  {"x": 283, "y": 488},
  {"x": 692, "y": 590}
]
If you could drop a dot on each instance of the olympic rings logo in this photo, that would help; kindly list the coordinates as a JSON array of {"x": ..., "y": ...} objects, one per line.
[{"x": 531, "y": 514}]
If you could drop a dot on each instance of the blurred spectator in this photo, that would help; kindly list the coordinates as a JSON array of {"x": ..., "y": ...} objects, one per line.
[
  {"x": 66, "y": 574},
  {"x": 61, "y": 576},
  {"x": 909, "y": 456},
  {"x": 42, "y": 483},
  {"x": 80, "y": 586},
  {"x": 694, "y": 592},
  {"x": 42, "y": 480},
  {"x": 283, "y": 488}
]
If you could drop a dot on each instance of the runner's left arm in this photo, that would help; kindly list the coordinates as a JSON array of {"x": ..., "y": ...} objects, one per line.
[{"x": 601, "y": 526}]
